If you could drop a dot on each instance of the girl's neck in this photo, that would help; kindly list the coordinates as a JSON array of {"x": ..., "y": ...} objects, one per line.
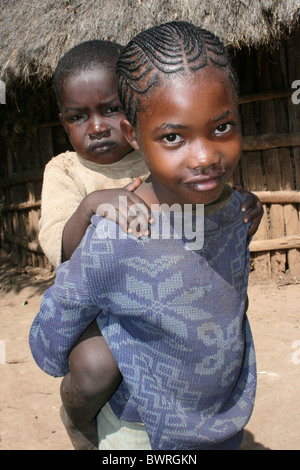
[{"x": 153, "y": 193}]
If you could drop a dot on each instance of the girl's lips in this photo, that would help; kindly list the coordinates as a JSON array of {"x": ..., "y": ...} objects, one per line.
[{"x": 202, "y": 183}]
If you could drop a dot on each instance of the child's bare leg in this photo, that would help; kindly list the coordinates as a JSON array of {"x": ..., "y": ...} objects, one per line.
[{"x": 93, "y": 378}]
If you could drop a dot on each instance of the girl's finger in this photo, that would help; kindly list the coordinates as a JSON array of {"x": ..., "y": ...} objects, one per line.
[{"x": 250, "y": 202}]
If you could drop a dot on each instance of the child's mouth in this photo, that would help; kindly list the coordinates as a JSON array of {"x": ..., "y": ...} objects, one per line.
[
  {"x": 100, "y": 146},
  {"x": 205, "y": 183}
]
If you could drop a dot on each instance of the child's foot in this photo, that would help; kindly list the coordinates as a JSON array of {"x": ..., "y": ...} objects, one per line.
[{"x": 82, "y": 439}]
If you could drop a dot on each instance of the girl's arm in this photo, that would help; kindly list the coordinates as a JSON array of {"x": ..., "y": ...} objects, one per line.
[{"x": 66, "y": 311}]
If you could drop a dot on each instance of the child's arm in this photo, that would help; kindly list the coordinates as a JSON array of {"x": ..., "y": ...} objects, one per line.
[
  {"x": 97, "y": 202},
  {"x": 61, "y": 195},
  {"x": 252, "y": 208}
]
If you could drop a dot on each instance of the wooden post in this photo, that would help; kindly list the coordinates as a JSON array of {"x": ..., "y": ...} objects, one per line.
[
  {"x": 292, "y": 217},
  {"x": 252, "y": 175},
  {"x": 273, "y": 172}
]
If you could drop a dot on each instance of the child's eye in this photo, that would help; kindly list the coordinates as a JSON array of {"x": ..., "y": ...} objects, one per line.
[
  {"x": 114, "y": 110},
  {"x": 223, "y": 129},
  {"x": 76, "y": 118},
  {"x": 172, "y": 138}
]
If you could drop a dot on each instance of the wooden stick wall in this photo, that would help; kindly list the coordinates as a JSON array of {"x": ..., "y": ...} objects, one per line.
[{"x": 269, "y": 166}]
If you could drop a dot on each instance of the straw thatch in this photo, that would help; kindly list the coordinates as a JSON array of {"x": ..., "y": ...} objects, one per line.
[{"x": 35, "y": 34}]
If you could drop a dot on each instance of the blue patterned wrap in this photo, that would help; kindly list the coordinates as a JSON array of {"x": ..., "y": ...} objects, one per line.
[{"x": 174, "y": 319}]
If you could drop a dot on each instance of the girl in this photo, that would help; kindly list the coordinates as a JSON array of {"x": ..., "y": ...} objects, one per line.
[{"x": 173, "y": 317}]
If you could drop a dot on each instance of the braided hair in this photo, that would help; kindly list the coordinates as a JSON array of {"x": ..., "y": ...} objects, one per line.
[{"x": 171, "y": 48}]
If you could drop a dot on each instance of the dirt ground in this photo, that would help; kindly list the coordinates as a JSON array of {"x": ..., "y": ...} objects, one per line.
[{"x": 30, "y": 401}]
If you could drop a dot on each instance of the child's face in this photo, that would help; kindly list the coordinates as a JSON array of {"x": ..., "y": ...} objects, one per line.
[
  {"x": 91, "y": 115},
  {"x": 189, "y": 133}
]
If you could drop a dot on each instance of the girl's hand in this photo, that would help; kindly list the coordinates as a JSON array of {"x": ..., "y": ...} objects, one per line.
[
  {"x": 253, "y": 209},
  {"x": 107, "y": 203},
  {"x": 125, "y": 208}
]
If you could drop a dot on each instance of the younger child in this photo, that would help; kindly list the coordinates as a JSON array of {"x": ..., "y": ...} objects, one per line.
[
  {"x": 102, "y": 167},
  {"x": 103, "y": 162},
  {"x": 174, "y": 318}
]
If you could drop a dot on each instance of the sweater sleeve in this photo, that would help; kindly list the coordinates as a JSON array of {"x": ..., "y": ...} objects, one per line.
[
  {"x": 66, "y": 311},
  {"x": 60, "y": 198}
]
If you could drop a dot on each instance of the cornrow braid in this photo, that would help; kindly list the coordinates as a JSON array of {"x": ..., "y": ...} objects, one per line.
[{"x": 170, "y": 48}]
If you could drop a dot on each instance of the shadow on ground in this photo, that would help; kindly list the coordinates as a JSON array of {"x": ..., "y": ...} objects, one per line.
[
  {"x": 14, "y": 279},
  {"x": 249, "y": 443}
]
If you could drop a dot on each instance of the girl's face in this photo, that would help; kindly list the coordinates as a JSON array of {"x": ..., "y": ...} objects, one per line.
[
  {"x": 189, "y": 133},
  {"x": 91, "y": 115}
]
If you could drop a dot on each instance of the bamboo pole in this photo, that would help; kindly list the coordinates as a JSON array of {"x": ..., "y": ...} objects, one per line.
[
  {"x": 278, "y": 197},
  {"x": 282, "y": 243},
  {"x": 30, "y": 246},
  {"x": 22, "y": 206},
  {"x": 265, "y": 197},
  {"x": 263, "y": 96},
  {"x": 50, "y": 124},
  {"x": 269, "y": 141},
  {"x": 36, "y": 175}
]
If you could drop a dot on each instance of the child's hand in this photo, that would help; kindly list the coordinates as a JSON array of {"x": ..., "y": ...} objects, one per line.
[
  {"x": 125, "y": 208},
  {"x": 252, "y": 208}
]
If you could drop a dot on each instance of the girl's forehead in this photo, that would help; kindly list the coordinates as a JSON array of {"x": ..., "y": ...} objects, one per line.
[
  {"x": 192, "y": 100},
  {"x": 204, "y": 85},
  {"x": 209, "y": 74}
]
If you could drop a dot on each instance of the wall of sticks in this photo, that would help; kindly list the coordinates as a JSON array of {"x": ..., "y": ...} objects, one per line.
[
  {"x": 270, "y": 163},
  {"x": 269, "y": 166}
]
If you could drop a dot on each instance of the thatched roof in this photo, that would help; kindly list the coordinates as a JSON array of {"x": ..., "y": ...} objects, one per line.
[{"x": 34, "y": 34}]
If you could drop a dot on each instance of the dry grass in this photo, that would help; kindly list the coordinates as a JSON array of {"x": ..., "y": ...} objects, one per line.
[{"x": 35, "y": 34}]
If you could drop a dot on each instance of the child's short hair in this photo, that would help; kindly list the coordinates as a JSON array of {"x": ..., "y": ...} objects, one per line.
[
  {"x": 171, "y": 48},
  {"x": 85, "y": 56}
]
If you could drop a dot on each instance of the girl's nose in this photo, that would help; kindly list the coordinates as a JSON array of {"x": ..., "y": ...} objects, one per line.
[
  {"x": 204, "y": 155},
  {"x": 98, "y": 128}
]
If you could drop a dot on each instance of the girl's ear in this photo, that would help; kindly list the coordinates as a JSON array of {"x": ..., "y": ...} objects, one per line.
[{"x": 129, "y": 134}]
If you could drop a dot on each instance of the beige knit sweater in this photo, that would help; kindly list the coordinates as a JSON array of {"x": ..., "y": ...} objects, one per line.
[{"x": 68, "y": 178}]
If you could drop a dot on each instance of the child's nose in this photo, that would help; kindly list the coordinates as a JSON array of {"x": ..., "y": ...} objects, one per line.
[
  {"x": 204, "y": 155},
  {"x": 98, "y": 128}
]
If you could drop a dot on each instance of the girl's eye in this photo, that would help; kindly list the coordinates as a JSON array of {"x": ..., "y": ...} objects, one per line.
[
  {"x": 114, "y": 109},
  {"x": 223, "y": 129},
  {"x": 172, "y": 139}
]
